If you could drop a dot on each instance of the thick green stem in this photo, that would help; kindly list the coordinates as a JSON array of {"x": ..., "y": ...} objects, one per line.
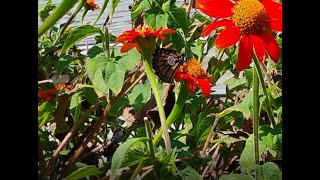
[
  {"x": 177, "y": 108},
  {"x": 263, "y": 85},
  {"x": 256, "y": 115},
  {"x": 57, "y": 14},
  {"x": 147, "y": 64}
]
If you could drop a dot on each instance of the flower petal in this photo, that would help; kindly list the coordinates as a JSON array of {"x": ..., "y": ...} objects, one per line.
[
  {"x": 127, "y": 46},
  {"x": 271, "y": 45},
  {"x": 244, "y": 53},
  {"x": 274, "y": 12},
  {"x": 258, "y": 47},
  {"x": 215, "y": 24},
  {"x": 167, "y": 31},
  {"x": 204, "y": 85},
  {"x": 191, "y": 83},
  {"x": 227, "y": 37},
  {"x": 215, "y": 8},
  {"x": 179, "y": 75},
  {"x": 122, "y": 37}
]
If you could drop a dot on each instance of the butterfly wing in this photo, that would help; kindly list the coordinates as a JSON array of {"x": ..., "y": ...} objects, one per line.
[{"x": 165, "y": 63}]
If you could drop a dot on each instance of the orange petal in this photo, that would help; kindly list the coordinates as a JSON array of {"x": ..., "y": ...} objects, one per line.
[
  {"x": 258, "y": 47},
  {"x": 274, "y": 12},
  {"x": 204, "y": 85},
  {"x": 215, "y": 8},
  {"x": 167, "y": 31},
  {"x": 191, "y": 83},
  {"x": 215, "y": 24},
  {"x": 179, "y": 75},
  {"x": 244, "y": 53},
  {"x": 227, "y": 37},
  {"x": 271, "y": 45},
  {"x": 127, "y": 46},
  {"x": 122, "y": 37}
]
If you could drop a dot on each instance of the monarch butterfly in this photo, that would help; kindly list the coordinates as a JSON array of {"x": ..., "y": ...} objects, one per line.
[{"x": 165, "y": 63}]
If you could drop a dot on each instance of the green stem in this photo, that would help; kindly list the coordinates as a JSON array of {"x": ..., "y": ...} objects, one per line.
[
  {"x": 263, "y": 85},
  {"x": 104, "y": 5},
  {"x": 256, "y": 115},
  {"x": 177, "y": 108},
  {"x": 147, "y": 63},
  {"x": 76, "y": 11},
  {"x": 57, "y": 14},
  {"x": 151, "y": 146}
]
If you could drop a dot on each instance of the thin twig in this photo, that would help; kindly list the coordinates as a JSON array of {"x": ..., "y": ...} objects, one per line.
[
  {"x": 189, "y": 7},
  {"x": 209, "y": 136},
  {"x": 211, "y": 165}
]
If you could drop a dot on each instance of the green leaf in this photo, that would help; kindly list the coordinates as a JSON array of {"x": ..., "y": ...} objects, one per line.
[
  {"x": 156, "y": 19},
  {"x": 45, "y": 111},
  {"x": 203, "y": 122},
  {"x": 113, "y": 8},
  {"x": 119, "y": 155},
  {"x": 271, "y": 138},
  {"x": 247, "y": 155},
  {"x": 248, "y": 73},
  {"x": 116, "y": 109},
  {"x": 103, "y": 7},
  {"x": 236, "y": 177},
  {"x": 83, "y": 172},
  {"x": 77, "y": 35},
  {"x": 245, "y": 106},
  {"x": 114, "y": 75},
  {"x": 140, "y": 95},
  {"x": 229, "y": 139},
  {"x": 180, "y": 19},
  {"x": 63, "y": 63},
  {"x": 74, "y": 100},
  {"x": 268, "y": 171},
  {"x": 130, "y": 59},
  {"x": 235, "y": 83},
  {"x": 59, "y": 11},
  {"x": 189, "y": 173},
  {"x": 166, "y": 6},
  {"x": 138, "y": 7},
  {"x": 95, "y": 67}
]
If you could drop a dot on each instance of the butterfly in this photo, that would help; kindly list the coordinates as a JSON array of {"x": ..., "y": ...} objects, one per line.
[{"x": 166, "y": 62}]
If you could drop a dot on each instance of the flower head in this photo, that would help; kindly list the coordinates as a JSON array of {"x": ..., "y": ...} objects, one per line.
[
  {"x": 47, "y": 94},
  {"x": 142, "y": 36},
  {"x": 90, "y": 5},
  {"x": 194, "y": 75},
  {"x": 245, "y": 21}
]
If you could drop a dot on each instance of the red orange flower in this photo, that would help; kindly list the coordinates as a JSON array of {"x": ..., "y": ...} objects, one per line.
[
  {"x": 91, "y": 5},
  {"x": 141, "y": 33},
  {"x": 47, "y": 94},
  {"x": 246, "y": 21},
  {"x": 194, "y": 75}
]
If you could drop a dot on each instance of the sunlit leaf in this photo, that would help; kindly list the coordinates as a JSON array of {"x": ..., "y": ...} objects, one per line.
[{"x": 83, "y": 172}]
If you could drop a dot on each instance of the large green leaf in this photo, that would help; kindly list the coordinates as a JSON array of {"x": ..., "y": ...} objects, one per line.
[
  {"x": 95, "y": 67},
  {"x": 235, "y": 83},
  {"x": 155, "y": 19},
  {"x": 119, "y": 155},
  {"x": 64, "y": 63},
  {"x": 83, "y": 172},
  {"x": 268, "y": 171},
  {"x": 77, "y": 35},
  {"x": 180, "y": 19},
  {"x": 114, "y": 75},
  {"x": 129, "y": 59},
  {"x": 247, "y": 155},
  {"x": 139, "y": 96},
  {"x": 236, "y": 177},
  {"x": 116, "y": 109}
]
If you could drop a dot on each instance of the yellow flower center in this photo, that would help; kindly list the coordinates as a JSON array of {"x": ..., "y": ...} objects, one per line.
[
  {"x": 194, "y": 68},
  {"x": 249, "y": 16},
  {"x": 143, "y": 29}
]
